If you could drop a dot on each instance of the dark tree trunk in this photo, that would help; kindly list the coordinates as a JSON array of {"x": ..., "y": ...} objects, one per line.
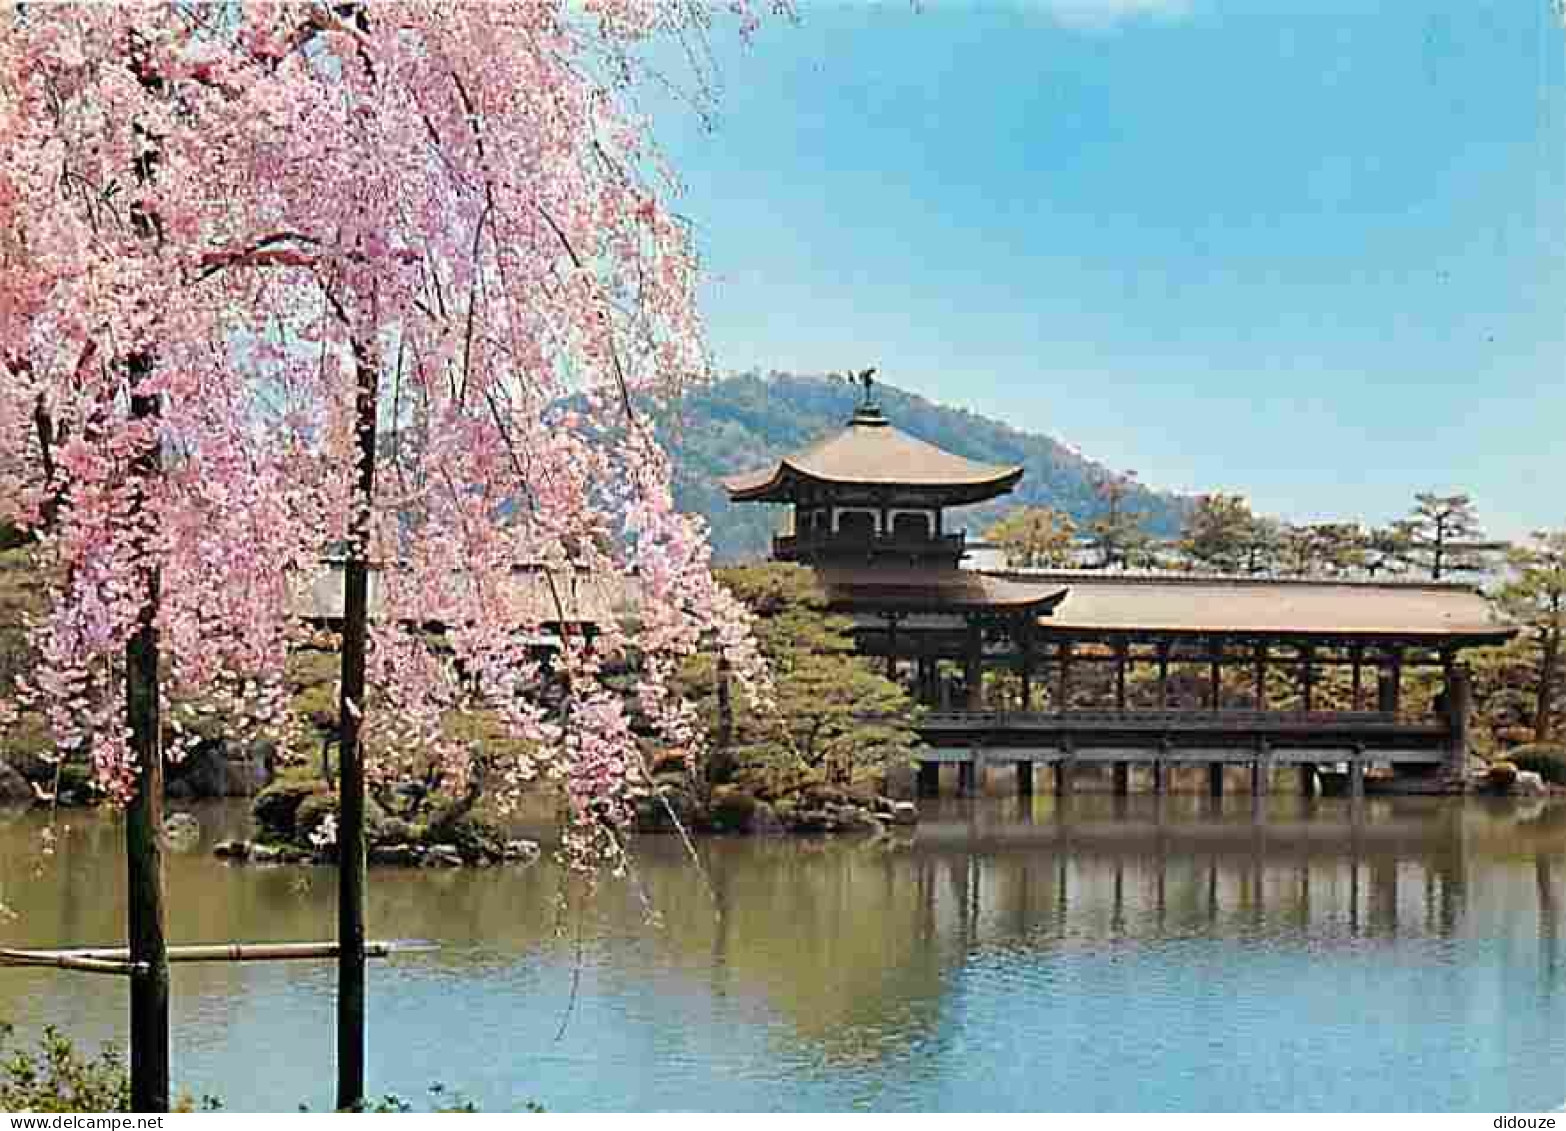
[
  {"x": 149, "y": 988},
  {"x": 350, "y": 755}
]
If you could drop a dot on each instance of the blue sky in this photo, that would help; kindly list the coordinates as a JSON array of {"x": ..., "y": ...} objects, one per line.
[{"x": 1311, "y": 251}]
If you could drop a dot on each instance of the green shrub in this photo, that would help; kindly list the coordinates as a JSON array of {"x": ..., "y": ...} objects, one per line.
[
  {"x": 1549, "y": 762},
  {"x": 55, "y": 1079}
]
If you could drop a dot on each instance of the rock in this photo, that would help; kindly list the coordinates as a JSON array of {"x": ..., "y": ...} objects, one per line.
[
  {"x": 442, "y": 856},
  {"x": 905, "y": 813},
  {"x": 14, "y": 788},
  {"x": 232, "y": 850},
  {"x": 264, "y": 854},
  {"x": 766, "y": 822},
  {"x": 276, "y": 808},
  {"x": 471, "y": 837},
  {"x": 521, "y": 851},
  {"x": 183, "y": 832},
  {"x": 1501, "y": 774},
  {"x": 396, "y": 855},
  {"x": 901, "y": 782},
  {"x": 1529, "y": 784},
  {"x": 392, "y": 830},
  {"x": 731, "y": 810}
]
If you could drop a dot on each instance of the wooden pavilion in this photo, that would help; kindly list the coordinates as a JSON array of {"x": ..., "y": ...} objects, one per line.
[{"x": 869, "y": 516}]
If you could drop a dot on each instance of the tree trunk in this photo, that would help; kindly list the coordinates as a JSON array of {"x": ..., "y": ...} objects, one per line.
[
  {"x": 350, "y": 756},
  {"x": 148, "y": 946},
  {"x": 1549, "y": 661}
]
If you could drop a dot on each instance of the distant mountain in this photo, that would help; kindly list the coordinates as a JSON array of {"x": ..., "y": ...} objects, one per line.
[{"x": 742, "y": 422}]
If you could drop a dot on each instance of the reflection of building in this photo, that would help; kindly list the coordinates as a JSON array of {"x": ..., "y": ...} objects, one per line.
[{"x": 869, "y": 517}]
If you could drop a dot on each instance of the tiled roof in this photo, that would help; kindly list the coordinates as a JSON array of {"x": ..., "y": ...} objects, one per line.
[
  {"x": 871, "y": 452},
  {"x": 1106, "y": 601},
  {"x": 956, "y": 590},
  {"x": 584, "y": 598}
]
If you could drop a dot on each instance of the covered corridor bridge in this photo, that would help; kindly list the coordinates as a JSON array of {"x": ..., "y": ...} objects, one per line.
[{"x": 1177, "y": 669}]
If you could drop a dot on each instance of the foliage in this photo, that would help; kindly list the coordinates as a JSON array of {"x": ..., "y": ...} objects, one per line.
[
  {"x": 833, "y": 717},
  {"x": 1549, "y": 762},
  {"x": 1220, "y": 534},
  {"x": 1035, "y": 538},
  {"x": 1438, "y": 530},
  {"x": 54, "y": 1078},
  {"x": 1535, "y": 597},
  {"x": 1119, "y": 536},
  {"x": 1321, "y": 549}
]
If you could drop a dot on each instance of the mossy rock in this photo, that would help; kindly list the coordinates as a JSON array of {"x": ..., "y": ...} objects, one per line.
[
  {"x": 731, "y": 810},
  {"x": 276, "y": 808},
  {"x": 474, "y": 838},
  {"x": 1545, "y": 759},
  {"x": 1502, "y": 773},
  {"x": 318, "y": 806}
]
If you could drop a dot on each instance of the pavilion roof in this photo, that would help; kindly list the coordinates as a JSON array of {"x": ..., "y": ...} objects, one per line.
[
  {"x": 1123, "y": 604},
  {"x": 870, "y": 452},
  {"x": 585, "y": 599},
  {"x": 934, "y": 589}
]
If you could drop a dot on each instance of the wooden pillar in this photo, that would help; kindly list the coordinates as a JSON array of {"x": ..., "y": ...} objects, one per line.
[
  {"x": 891, "y": 647},
  {"x": 1122, "y": 774},
  {"x": 1357, "y": 658},
  {"x": 1163, "y": 675},
  {"x": 1397, "y": 679},
  {"x": 1161, "y": 770},
  {"x": 1261, "y": 770},
  {"x": 1215, "y": 679},
  {"x": 1122, "y": 658},
  {"x": 973, "y": 666},
  {"x": 967, "y": 774},
  {"x": 1215, "y": 779},
  {"x": 1261, "y": 675},
  {"x": 1357, "y": 773},
  {"x": 1025, "y": 778},
  {"x": 1063, "y": 681},
  {"x": 1308, "y": 658},
  {"x": 1458, "y": 699},
  {"x": 1307, "y": 780},
  {"x": 1027, "y": 669},
  {"x": 929, "y": 779}
]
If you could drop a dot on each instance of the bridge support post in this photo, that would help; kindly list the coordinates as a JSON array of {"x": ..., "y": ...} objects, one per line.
[
  {"x": 1215, "y": 779},
  {"x": 1122, "y": 778},
  {"x": 1307, "y": 780},
  {"x": 1458, "y": 702},
  {"x": 967, "y": 775},
  {"x": 929, "y": 779},
  {"x": 1024, "y": 778},
  {"x": 1357, "y": 774},
  {"x": 1261, "y": 771},
  {"x": 1160, "y": 777}
]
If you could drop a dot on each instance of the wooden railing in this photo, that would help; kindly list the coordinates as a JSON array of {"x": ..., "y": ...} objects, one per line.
[
  {"x": 786, "y": 546},
  {"x": 1189, "y": 719}
]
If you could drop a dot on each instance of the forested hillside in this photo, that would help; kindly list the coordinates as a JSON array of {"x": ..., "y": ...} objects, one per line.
[{"x": 744, "y": 421}]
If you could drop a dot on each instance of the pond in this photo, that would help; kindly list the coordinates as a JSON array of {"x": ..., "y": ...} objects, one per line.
[{"x": 1087, "y": 953}]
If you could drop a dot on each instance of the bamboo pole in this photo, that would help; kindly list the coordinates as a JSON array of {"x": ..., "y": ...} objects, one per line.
[{"x": 116, "y": 960}]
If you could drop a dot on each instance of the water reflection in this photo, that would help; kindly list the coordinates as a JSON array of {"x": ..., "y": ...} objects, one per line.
[{"x": 867, "y": 970}]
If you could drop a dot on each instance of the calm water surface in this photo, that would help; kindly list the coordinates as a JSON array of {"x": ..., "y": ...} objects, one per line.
[{"x": 1091, "y": 955}]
